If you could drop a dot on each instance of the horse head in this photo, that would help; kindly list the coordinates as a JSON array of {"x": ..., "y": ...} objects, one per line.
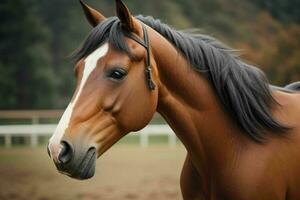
[{"x": 112, "y": 97}]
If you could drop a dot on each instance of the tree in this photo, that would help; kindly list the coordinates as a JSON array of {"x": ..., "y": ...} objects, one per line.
[{"x": 23, "y": 63}]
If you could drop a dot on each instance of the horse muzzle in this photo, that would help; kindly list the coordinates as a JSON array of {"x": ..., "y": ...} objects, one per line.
[{"x": 77, "y": 163}]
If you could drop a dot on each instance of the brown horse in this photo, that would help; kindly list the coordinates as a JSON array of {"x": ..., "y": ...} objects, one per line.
[{"x": 242, "y": 135}]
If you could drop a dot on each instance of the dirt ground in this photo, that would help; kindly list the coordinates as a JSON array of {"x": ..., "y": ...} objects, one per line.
[{"x": 124, "y": 172}]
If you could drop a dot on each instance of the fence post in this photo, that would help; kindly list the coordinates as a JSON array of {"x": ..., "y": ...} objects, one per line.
[
  {"x": 34, "y": 136},
  {"x": 172, "y": 140},
  {"x": 144, "y": 139},
  {"x": 7, "y": 141},
  {"x": 34, "y": 139}
]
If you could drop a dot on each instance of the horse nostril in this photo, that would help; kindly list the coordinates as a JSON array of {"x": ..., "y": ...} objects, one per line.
[{"x": 66, "y": 153}]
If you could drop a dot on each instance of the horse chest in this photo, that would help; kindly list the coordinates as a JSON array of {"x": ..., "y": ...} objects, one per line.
[
  {"x": 254, "y": 177},
  {"x": 240, "y": 187},
  {"x": 258, "y": 176}
]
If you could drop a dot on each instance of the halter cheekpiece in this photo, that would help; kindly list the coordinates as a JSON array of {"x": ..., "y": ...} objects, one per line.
[{"x": 146, "y": 45}]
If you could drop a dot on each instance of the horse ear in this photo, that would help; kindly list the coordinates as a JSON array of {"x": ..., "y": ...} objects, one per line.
[
  {"x": 125, "y": 16},
  {"x": 93, "y": 16}
]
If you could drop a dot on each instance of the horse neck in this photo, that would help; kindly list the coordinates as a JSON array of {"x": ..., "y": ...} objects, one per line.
[{"x": 188, "y": 103}]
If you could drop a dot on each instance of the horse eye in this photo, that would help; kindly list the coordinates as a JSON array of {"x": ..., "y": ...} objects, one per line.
[{"x": 117, "y": 74}]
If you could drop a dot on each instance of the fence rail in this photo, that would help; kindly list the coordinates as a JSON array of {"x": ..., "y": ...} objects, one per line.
[
  {"x": 35, "y": 130},
  {"x": 30, "y": 114}
]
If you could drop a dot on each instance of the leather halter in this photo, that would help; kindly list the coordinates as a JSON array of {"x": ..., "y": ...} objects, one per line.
[{"x": 145, "y": 43}]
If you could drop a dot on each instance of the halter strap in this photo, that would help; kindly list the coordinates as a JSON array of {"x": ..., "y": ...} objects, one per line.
[{"x": 145, "y": 43}]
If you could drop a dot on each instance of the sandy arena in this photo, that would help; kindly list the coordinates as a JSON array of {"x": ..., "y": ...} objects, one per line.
[{"x": 124, "y": 172}]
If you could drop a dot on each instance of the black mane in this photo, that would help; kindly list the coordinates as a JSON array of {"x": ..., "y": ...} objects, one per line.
[{"x": 242, "y": 89}]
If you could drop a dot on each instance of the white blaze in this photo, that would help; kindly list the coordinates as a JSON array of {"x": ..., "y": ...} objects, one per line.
[{"x": 90, "y": 65}]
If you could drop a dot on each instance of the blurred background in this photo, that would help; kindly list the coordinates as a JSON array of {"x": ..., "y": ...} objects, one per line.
[{"x": 37, "y": 80}]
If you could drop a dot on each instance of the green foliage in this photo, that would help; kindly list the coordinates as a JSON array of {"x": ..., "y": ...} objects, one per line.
[
  {"x": 36, "y": 37},
  {"x": 287, "y": 11}
]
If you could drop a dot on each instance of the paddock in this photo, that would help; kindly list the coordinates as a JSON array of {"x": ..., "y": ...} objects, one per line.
[
  {"x": 126, "y": 171},
  {"x": 144, "y": 165}
]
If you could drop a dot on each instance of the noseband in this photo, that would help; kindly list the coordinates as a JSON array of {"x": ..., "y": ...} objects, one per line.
[{"x": 146, "y": 45}]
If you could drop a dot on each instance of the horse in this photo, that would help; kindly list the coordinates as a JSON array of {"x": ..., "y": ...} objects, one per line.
[{"x": 242, "y": 135}]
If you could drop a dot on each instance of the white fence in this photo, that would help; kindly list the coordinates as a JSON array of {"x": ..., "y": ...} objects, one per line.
[{"x": 35, "y": 130}]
